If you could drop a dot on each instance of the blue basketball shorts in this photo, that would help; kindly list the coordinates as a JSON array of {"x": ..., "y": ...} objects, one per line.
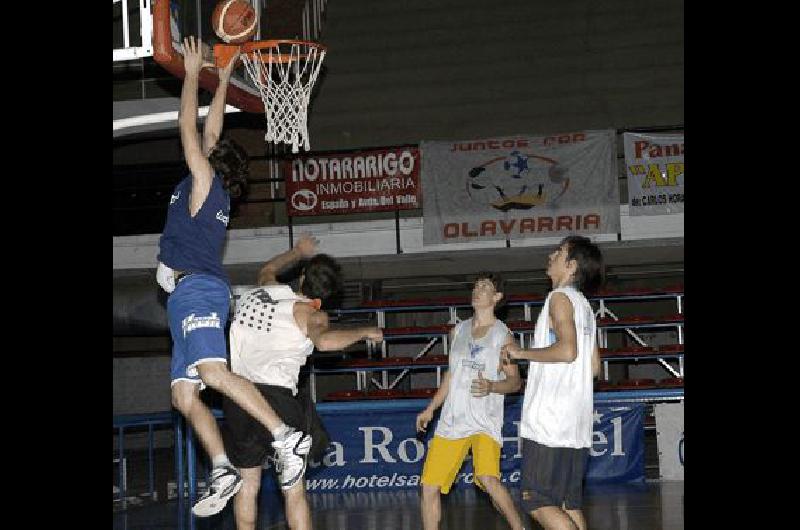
[{"x": 198, "y": 312}]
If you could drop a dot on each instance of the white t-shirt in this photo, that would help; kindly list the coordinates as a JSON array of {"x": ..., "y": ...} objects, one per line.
[
  {"x": 559, "y": 399},
  {"x": 462, "y": 414},
  {"x": 266, "y": 344}
]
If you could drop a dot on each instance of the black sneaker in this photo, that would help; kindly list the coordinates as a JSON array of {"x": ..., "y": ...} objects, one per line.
[{"x": 225, "y": 482}]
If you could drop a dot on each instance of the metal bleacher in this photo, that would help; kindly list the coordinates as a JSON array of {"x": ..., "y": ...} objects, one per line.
[{"x": 378, "y": 359}]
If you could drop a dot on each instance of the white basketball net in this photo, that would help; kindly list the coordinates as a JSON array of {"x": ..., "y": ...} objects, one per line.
[{"x": 285, "y": 88}]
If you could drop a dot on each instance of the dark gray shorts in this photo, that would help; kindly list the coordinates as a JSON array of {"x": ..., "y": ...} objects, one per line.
[
  {"x": 552, "y": 476},
  {"x": 248, "y": 442}
]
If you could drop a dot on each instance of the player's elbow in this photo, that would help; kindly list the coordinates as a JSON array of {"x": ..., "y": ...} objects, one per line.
[
  {"x": 266, "y": 275},
  {"x": 209, "y": 142},
  {"x": 323, "y": 343},
  {"x": 569, "y": 353}
]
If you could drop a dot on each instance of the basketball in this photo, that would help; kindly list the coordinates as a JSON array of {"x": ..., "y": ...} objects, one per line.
[{"x": 234, "y": 21}]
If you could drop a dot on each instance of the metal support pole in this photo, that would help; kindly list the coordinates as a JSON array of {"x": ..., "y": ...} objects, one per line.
[
  {"x": 122, "y": 474},
  {"x": 177, "y": 423},
  {"x": 384, "y": 374},
  {"x": 191, "y": 470},
  {"x": 199, "y": 20},
  {"x": 124, "y": 488},
  {"x": 397, "y": 230},
  {"x": 126, "y": 33},
  {"x": 150, "y": 461}
]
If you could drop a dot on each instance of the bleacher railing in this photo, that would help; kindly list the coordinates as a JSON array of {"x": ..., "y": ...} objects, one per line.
[
  {"x": 145, "y": 40},
  {"x": 607, "y": 321}
]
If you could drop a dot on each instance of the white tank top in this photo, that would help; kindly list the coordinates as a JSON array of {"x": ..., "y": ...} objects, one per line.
[
  {"x": 463, "y": 415},
  {"x": 557, "y": 410},
  {"x": 266, "y": 345}
]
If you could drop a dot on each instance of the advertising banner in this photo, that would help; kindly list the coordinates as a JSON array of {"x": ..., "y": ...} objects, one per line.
[
  {"x": 377, "y": 180},
  {"x": 520, "y": 187},
  {"x": 654, "y": 164},
  {"x": 375, "y": 446}
]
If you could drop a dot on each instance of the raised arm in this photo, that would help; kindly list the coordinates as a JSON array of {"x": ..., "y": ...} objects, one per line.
[
  {"x": 565, "y": 348},
  {"x": 196, "y": 159},
  {"x": 216, "y": 112},
  {"x": 326, "y": 339},
  {"x": 305, "y": 247}
]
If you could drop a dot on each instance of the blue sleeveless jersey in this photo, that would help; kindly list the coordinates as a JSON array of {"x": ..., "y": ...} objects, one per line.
[{"x": 194, "y": 244}]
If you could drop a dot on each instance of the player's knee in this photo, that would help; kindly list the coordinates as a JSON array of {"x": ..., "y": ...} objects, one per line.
[
  {"x": 489, "y": 481},
  {"x": 249, "y": 489},
  {"x": 430, "y": 493},
  {"x": 296, "y": 494},
  {"x": 545, "y": 517},
  {"x": 183, "y": 396},
  {"x": 213, "y": 374}
]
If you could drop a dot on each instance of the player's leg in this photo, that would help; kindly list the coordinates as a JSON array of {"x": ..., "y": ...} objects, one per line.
[
  {"x": 486, "y": 462},
  {"x": 245, "y": 504},
  {"x": 442, "y": 463}
]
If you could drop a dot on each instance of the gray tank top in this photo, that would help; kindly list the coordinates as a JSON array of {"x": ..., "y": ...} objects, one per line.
[{"x": 463, "y": 415}]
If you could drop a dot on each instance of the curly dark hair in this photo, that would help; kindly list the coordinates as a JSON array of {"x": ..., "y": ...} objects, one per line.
[
  {"x": 230, "y": 162},
  {"x": 322, "y": 278}
]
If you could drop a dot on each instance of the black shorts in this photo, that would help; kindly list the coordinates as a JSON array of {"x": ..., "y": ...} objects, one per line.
[
  {"x": 552, "y": 476},
  {"x": 248, "y": 442}
]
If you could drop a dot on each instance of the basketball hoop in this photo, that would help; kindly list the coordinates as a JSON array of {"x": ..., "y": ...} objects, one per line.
[{"x": 284, "y": 72}]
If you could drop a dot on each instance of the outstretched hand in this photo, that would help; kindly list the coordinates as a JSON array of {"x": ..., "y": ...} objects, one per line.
[
  {"x": 193, "y": 60},
  {"x": 373, "y": 335}
]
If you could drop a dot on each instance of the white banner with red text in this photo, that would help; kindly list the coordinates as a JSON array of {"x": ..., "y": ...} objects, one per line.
[
  {"x": 654, "y": 165},
  {"x": 520, "y": 187}
]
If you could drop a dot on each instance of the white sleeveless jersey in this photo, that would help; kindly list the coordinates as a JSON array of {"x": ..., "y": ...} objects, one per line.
[
  {"x": 462, "y": 414},
  {"x": 266, "y": 345},
  {"x": 557, "y": 410}
]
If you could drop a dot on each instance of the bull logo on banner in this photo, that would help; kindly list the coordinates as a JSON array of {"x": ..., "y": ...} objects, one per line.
[{"x": 518, "y": 181}]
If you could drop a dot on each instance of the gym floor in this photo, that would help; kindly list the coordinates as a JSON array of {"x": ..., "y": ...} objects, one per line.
[{"x": 647, "y": 506}]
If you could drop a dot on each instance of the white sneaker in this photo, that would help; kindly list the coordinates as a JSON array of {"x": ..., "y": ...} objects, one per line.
[
  {"x": 291, "y": 457},
  {"x": 225, "y": 482}
]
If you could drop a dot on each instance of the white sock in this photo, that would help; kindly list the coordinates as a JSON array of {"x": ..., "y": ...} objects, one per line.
[
  {"x": 220, "y": 460},
  {"x": 281, "y": 432}
]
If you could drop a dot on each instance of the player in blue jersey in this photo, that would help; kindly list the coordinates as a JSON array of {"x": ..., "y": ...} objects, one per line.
[{"x": 190, "y": 269}]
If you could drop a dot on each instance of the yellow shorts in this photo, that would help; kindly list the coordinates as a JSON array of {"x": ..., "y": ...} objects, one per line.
[{"x": 445, "y": 457}]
